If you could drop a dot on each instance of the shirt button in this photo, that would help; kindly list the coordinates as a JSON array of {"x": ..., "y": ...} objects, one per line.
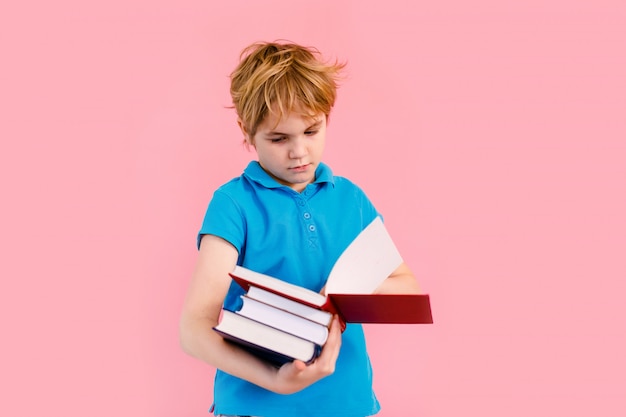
[
  {"x": 312, "y": 227},
  {"x": 307, "y": 215},
  {"x": 301, "y": 202}
]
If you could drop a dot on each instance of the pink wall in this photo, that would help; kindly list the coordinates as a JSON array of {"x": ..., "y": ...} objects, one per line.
[{"x": 491, "y": 134}]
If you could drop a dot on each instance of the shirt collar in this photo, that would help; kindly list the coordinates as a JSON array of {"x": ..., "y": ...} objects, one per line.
[{"x": 323, "y": 174}]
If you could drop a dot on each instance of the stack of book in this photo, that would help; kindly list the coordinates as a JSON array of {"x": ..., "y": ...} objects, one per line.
[
  {"x": 274, "y": 327},
  {"x": 280, "y": 322}
]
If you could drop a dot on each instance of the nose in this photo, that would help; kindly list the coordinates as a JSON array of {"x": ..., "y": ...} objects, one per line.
[{"x": 298, "y": 148}]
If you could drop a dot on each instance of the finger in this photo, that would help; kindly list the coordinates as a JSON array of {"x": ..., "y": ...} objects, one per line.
[
  {"x": 333, "y": 343},
  {"x": 335, "y": 334},
  {"x": 299, "y": 365}
]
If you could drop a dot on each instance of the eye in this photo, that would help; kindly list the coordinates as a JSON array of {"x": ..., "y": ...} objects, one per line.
[
  {"x": 278, "y": 140},
  {"x": 310, "y": 132}
]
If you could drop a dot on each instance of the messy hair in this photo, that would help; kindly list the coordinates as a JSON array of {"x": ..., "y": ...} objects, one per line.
[{"x": 277, "y": 78}]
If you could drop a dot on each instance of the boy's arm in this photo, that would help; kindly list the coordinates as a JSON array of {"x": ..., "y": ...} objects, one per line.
[
  {"x": 401, "y": 281},
  {"x": 201, "y": 310}
]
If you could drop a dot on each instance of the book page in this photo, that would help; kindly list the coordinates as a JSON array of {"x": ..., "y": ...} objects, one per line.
[{"x": 365, "y": 263}]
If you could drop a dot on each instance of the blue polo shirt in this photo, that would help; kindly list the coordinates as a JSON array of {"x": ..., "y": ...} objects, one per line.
[{"x": 296, "y": 237}]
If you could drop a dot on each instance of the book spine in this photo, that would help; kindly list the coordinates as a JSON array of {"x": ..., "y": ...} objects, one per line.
[{"x": 332, "y": 308}]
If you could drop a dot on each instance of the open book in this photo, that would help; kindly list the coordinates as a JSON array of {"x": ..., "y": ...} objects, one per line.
[{"x": 360, "y": 269}]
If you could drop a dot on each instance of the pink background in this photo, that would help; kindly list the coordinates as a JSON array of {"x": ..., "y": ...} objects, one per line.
[{"x": 490, "y": 133}]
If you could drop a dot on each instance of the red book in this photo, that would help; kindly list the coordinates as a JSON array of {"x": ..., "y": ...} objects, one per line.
[
  {"x": 351, "y": 308},
  {"x": 360, "y": 269}
]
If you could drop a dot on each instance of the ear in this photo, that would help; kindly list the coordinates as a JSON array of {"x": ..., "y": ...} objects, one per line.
[{"x": 247, "y": 139}]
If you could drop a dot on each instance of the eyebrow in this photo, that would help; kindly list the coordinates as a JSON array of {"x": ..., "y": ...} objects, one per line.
[{"x": 313, "y": 126}]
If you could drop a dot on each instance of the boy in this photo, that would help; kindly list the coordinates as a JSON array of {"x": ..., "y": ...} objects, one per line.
[{"x": 288, "y": 216}]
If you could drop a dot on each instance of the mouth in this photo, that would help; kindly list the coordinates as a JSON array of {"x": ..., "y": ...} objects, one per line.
[{"x": 300, "y": 168}]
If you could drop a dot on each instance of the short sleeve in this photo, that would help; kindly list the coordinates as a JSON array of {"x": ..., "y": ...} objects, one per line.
[
  {"x": 368, "y": 210},
  {"x": 224, "y": 219},
  {"x": 362, "y": 206}
]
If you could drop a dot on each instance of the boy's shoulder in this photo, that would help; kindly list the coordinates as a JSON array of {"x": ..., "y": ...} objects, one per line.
[
  {"x": 234, "y": 186},
  {"x": 325, "y": 173},
  {"x": 240, "y": 181},
  {"x": 344, "y": 182}
]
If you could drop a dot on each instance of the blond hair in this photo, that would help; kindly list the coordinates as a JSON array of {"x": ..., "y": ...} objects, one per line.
[{"x": 278, "y": 78}]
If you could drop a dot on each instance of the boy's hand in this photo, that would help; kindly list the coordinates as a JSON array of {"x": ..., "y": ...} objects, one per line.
[{"x": 295, "y": 376}]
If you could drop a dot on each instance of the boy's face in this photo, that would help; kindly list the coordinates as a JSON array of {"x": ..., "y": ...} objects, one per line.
[{"x": 290, "y": 149}]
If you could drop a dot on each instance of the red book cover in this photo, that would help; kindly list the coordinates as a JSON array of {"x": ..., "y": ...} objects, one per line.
[{"x": 383, "y": 308}]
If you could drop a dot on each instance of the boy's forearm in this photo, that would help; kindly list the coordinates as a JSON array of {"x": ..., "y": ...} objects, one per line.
[
  {"x": 401, "y": 281},
  {"x": 405, "y": 284},
  {"x": 198, "y": 339}
]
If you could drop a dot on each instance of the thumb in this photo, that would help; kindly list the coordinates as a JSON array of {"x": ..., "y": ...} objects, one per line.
[{"x": 299, "y": 365}]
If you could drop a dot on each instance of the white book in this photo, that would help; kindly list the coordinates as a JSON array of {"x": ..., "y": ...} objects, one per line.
[
  {"x": 283, "y": 320},
  {"x": 269, "y": 343},
  {"x": 310, "y": 313}
]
